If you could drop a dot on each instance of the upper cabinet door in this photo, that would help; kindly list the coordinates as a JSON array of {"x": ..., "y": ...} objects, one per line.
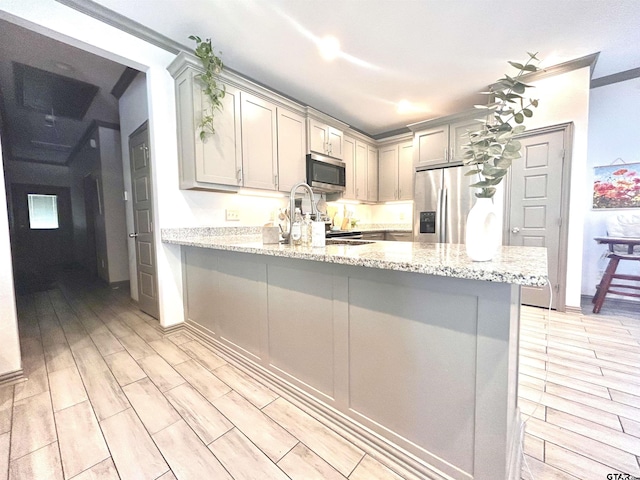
[
  {"x": 372, "y": 174},
  {"x": 361, "y": 171},
  {"x": 432, "y": 146},
  {"x": 405, "y": 171},
  {"x": 318, "y": 136},
  {"x": 292, "y": 149},
  {"x": 218, "y": 158},
  {"x": 460, "y": 136},
  {"x": 335, "y": 137},
  {"x": 388, "y": 169},
  {"x": 259, "y": 142},
  {"x": 349, "y": 159}
]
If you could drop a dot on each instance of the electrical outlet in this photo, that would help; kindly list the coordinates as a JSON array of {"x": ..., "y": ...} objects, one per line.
[{"x": 232, "y": 214}]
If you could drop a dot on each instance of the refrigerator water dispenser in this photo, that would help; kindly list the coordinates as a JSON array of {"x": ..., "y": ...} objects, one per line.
[{"x": 427, "y": 222}]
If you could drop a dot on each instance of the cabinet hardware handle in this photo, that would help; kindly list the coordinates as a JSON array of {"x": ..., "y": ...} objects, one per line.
[
  {"x": 446, "y": 154},
  {"x": 515, "y": 230},
  {"x": 275, "y": 180},
  {"x": 239, "y": 175}
]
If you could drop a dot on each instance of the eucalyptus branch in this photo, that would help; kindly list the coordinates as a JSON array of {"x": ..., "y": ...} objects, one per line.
[{"x": 491, "y": 150}]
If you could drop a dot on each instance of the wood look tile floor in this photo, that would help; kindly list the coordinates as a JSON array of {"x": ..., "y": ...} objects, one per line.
[
  {"x": 107, "y": 396},
  {"x": 579, "y": 393}
]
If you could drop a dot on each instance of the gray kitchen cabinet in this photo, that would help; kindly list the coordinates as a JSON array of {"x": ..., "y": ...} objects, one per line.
[
  {"x": 442, "y": 143},
  {"x": 373, "y": 236},
  {"x": 396, "y": 171},
  {"x": 361, "y": 169},
  {"x": 216, "y": 160},
  {"x": 349, "y": 159},
  {"x": 259, "y": 142},
  {"x": 372, "y": 174},
  {"x": 432, "y": 146},
  {"x": 325, "y": 139},
  {"x": 361, "y": 165},
  {"x": 405, "y": 170},
  {"x": 292, "y": 148},
  {"x": 398, "y": 236}
]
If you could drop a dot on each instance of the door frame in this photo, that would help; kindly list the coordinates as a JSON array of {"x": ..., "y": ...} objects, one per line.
[{"x": 567, "y": 131}]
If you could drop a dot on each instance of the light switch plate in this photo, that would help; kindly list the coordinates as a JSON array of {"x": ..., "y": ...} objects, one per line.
[{"x": 232, "y": 215}]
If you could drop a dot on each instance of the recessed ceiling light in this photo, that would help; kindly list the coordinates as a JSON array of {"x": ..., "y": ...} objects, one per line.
[
  {"x": 405, "y": 106},
  {"x": 329, "y": 47}
]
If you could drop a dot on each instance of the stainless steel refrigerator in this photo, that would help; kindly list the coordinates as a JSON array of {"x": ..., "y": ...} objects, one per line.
[{"x": 442, "y": 200}]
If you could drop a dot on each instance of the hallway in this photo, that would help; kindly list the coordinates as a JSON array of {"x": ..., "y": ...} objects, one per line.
[{"x": 108, "y": 396}]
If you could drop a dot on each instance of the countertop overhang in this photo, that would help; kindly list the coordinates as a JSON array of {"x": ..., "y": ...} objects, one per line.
[{"x": 526, "y": 266}]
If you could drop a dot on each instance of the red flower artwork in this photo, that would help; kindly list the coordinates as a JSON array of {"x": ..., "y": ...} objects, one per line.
[{"x": 616, "y": 187}]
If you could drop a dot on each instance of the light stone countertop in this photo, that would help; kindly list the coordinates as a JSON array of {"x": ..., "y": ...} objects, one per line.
[{"x": 525, "y": 266}]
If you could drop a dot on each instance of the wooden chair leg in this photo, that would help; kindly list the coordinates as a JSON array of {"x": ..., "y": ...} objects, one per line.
[{"x": 603, "y": 288}]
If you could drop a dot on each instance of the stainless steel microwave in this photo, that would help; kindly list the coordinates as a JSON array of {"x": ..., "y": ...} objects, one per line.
[{"x": 325, "y": 174}]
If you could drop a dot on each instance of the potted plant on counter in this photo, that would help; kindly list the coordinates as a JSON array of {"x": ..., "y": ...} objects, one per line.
[{"x": 490, "y": 152}]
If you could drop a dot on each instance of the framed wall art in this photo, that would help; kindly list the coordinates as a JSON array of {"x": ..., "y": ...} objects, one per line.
[{"x": 617, "y": 186}]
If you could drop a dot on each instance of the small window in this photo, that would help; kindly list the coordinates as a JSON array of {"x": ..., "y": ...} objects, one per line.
[{"x": 43, "y": 211}]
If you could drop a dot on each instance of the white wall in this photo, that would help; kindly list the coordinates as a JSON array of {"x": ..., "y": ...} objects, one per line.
[
  {"x": 563, "y": 99},
  {"x": 37, "y": 173},
  {"x": 134, "y": 112},
  {"x": 614, "y": 117},
  {"x": 10, "y": 350},
  {"x": 114, "y": 205}
]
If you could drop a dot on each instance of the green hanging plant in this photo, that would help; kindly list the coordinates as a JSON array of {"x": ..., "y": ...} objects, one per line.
[
  {"x": 210, "y": 79},
  {"x": 491, "y": 150}
]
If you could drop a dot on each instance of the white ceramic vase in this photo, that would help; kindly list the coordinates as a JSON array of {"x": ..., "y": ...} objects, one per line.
[{"x": 482, "y": 236}]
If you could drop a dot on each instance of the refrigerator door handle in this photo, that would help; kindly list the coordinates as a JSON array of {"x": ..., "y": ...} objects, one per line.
[{"x": 442, "y": 215}]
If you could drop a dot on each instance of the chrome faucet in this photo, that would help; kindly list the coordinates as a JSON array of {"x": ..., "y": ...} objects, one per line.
[{"x": 292, "y": 205}]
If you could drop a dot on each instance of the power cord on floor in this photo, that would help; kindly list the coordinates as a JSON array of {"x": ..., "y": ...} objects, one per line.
[{"x": 544, "y": 381}]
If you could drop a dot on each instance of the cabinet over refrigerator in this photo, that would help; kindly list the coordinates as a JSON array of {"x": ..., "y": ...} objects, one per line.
[{"x": 442, "y": 200}]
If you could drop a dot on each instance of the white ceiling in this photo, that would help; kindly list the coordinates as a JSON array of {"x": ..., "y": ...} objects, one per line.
[
  {"x": 25, "y": 126},
  {"x": 435, "y": 53}
]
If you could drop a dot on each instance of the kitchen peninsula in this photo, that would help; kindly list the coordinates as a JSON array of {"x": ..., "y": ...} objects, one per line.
[{"x": 410, "y": 347}]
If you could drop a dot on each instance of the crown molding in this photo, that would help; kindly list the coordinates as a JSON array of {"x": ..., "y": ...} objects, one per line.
[
  {"x": 615, "y": 78},
  {"x": 559, "y": 69},
  {"x": 105, "y": 15}
]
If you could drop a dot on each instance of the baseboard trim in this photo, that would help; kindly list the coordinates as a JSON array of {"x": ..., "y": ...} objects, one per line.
[
  {"x": 120, "y": 284},
  {"x": 171, "y": 329},
  {"x": 400, "y": 461},
  {"x": 577, "y": 310},
  {"x": 12, "y": 377},
  {"x": 514, "y": 468}
]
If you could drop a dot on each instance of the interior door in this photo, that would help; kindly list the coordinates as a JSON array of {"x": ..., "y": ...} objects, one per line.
[
  {"x": 143, "y": 221},
  {"x": 535, "y": 211}
]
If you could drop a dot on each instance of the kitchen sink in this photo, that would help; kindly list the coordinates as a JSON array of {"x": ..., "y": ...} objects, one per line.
[{"x": 344, "y": 241}]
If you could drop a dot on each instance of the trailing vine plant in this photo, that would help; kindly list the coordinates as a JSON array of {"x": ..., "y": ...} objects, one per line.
[
  {"x": 491, "y": 150},
  {"x": 213, "y": 89}
]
